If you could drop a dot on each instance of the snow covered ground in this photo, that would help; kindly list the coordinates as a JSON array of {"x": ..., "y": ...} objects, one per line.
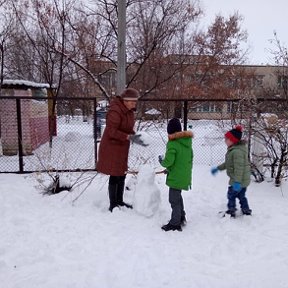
[{"x": 45, "y": 242}]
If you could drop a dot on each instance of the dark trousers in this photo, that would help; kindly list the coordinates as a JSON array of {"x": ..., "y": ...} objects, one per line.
[
  {"x": 116, "y": 184},
  {"x": 116, "y": 180},
  {"x": 177, "y": 205},
  {"x": 233, "y": 195}
]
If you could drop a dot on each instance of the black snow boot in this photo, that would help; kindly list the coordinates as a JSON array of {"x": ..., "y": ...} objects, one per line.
[
  {"x": 183, "y": 221},
  {"x": 247, "y": 212},
  {"x": 170, "y": 227},
  {"x": 112, "y": 196},
  {"x": 232, "y": 213},
  {"x": 120, "y": 192}
]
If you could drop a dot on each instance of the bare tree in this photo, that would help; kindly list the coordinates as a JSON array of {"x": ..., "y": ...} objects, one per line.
[
  {"x": 270, "y": 128},
  {"x": 215, "y": 70},
  {"x": 280, "y": 57},
  {"x": 270, "y": 125},
  {"x": 152, "y": 29},
  {"x": 7, "y": 27}
]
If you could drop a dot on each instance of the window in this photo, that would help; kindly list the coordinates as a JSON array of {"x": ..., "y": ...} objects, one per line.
[
  {"x": 207, "y": 108},
  {"x": 259, "y": 81},
  {"x": 232, "y": 107},
  {"x": 283, "y": 81}
]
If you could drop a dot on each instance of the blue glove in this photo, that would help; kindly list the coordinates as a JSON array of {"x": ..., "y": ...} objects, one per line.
[
  {"x": 214, "y": 171},
  {"x": 160, "y": 158},
  {"x": 237, "y": 186}
]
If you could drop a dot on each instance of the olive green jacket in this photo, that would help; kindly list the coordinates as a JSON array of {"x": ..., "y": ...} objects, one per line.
[
  {"x": 237, "y": 164},
  {"x": 178, "y": 160}
]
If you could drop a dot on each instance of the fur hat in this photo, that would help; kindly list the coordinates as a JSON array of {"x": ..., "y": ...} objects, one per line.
[
  {"x": 174, "y": 126},
  {"x": 235, "y": 135},
  {"x": 130, "y": 94}
]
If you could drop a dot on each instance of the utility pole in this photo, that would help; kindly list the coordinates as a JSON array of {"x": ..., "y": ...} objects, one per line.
[{"x": 121, "y": 58}]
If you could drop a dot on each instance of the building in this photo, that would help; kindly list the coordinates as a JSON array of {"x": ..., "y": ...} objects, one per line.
[
  {"x": 34, "y": 116},
  {"x": 263, "y": 82},
  {"x": 195, "y": 77}
]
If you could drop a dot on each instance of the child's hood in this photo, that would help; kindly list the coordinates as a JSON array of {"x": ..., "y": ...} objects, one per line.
[{"x": 183, "y": 137}]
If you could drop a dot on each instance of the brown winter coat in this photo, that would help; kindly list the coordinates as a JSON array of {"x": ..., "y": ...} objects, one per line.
[{"x": 114, "y": 146}]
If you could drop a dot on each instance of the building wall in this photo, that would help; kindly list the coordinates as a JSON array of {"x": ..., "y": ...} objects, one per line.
[
  {"x": 9, "y": 127},
  {"x": 34, "y": 116},
  {"x": 38, "y": 122}
]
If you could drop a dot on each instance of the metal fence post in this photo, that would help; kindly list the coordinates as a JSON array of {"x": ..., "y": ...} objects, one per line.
[
  {"x": 185, "y": 114},
  {"x": 121, "y": 50},
  {"x": 95, "y": 130},
  {"x": 19, "y": 132}
]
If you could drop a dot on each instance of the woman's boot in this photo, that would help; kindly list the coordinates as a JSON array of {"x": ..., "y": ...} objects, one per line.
[
  {"x": 112, "y": 196},
  {"x": 120, "y": 192}
]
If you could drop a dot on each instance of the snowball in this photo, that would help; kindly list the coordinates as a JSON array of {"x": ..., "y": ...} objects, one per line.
[
  {"x": 145, "y": 137},
  {"x": 72, "y": 137},
  {"x": 147, "y": 195}
]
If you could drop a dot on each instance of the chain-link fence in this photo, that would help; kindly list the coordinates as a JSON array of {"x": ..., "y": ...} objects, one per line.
[
  {"x": 265, "y": 123},
  {"x": 32, "y": 139},
  {"x": 208, "y": 120}
]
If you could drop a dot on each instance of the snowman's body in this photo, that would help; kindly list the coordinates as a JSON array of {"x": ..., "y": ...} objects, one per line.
[{"x": 147, "y": 195}]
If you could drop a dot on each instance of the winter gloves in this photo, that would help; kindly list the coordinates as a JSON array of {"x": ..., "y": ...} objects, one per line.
[
  {"x": 214, "y": 171},
  {"x": 136, "y": 139},
  {"x": 236, "y": 186}
]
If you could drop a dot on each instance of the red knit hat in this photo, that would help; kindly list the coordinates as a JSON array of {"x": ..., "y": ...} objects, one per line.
[{"x": 235, "y": 134}]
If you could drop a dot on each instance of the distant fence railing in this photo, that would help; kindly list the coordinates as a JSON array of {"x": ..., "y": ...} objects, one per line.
[{"x": 33, "y": 139}]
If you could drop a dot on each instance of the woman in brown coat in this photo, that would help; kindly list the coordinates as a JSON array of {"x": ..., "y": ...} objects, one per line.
[{"x": 115, "y": 143}]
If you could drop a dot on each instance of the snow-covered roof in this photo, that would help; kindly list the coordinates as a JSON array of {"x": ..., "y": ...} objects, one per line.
[
  {"x": 26, "y": 83},
  {"x": 153, "y": 112},
  {"x": 103, "y": 103}
]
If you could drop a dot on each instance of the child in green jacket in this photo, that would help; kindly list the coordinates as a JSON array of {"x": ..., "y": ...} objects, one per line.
[
  {"x": 178, "y": 162},
  {"x": 238, "y": 170}
]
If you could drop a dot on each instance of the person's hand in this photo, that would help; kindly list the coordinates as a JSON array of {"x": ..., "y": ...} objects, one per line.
[
  {"x": 136, "y": 139},
  {"x": 160, "y": 158},
  {"x": 237, "y": 186},
  {"x": 214, "y": 171}
]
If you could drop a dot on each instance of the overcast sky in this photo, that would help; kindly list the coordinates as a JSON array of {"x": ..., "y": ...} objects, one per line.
[{"x": 261, "y": 18}]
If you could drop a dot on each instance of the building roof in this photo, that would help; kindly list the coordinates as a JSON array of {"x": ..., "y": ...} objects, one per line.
[
  {"x": 153, "y": 112},
  {"x": 17, "y": 83}
]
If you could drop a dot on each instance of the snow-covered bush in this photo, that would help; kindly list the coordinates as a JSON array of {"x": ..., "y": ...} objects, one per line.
[{"x": 272, "y": 131}]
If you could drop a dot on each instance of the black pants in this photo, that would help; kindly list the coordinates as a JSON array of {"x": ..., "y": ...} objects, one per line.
[
  {"x": 116, "y": 180},
  {"x": 177, "y": 205},
  {"x": 119, "y": 183}
]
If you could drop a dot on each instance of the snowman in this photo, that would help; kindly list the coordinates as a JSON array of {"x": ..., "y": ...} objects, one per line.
[{"x": 147, "y": 195}]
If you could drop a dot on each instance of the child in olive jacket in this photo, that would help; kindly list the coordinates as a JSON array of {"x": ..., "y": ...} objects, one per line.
[
  {"x": 178, "y": 162},
  {"x": 238, "y": 169}
]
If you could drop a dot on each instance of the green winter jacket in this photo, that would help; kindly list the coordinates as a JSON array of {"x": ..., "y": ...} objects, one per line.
[
  {"x": 178, "y": 160},
  {"x": 237, "y": 164}
]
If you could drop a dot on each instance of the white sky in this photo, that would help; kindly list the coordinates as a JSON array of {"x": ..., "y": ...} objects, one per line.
[{"x": 261, "y": 18}]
